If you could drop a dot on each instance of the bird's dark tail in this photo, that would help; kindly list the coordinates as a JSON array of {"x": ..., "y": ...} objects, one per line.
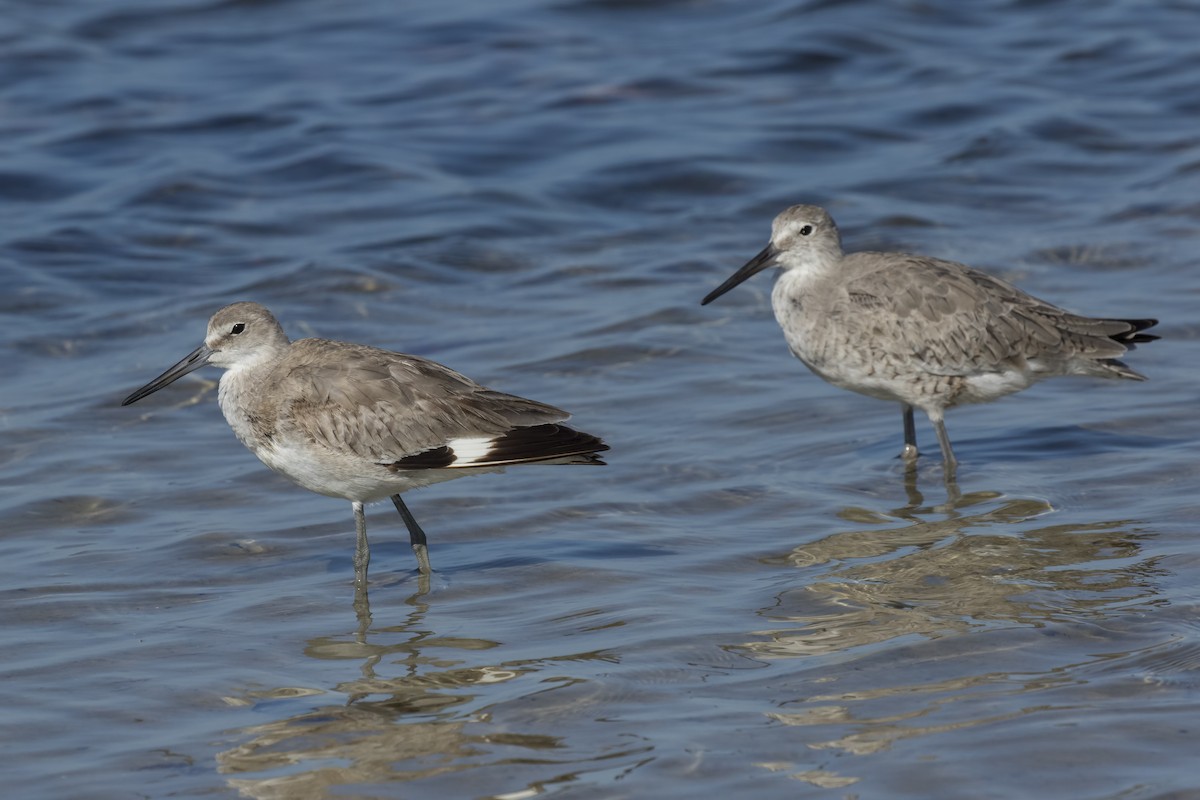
[{"x": 1134, "y": 335}]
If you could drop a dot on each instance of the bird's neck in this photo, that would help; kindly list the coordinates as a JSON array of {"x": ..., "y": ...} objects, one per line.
[{"x": 801, "y": 276}]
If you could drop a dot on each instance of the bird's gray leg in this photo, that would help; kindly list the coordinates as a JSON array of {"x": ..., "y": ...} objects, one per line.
[
  {"x": 909, "y": 453},
  {"x": 415, "y": 535},
  {"x": 950, "y": 463},
  {"x": 362, "y": 553}
]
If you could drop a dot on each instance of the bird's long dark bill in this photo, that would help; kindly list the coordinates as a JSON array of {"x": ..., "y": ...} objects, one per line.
[
  {"x": 754, "y": 266},
  {"x": 193, "y": 361}
]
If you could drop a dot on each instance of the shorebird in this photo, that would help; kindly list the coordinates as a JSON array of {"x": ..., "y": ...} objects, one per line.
[
  {"x": 363, "y": 424},
  {"x": 920, "y": 331}
]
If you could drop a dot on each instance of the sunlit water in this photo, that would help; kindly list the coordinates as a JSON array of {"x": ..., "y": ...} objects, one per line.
[{"x": 751, "y": 600}]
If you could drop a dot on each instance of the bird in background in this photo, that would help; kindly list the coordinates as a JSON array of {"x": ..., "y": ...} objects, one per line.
[
  {"x": 363, "y": 424},
  {"x": 920, "y": 331}
]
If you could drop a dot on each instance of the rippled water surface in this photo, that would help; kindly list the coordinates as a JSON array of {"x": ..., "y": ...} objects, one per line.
[{"x": 752, "y": 599}]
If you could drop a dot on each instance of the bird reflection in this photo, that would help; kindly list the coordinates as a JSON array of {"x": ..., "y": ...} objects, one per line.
[
  {"x": 916, "y": 500},
  {"x": 930, "y": 620},
  {"x": 930, "y": 570},
  {"x": 411, "y": 710},
  {"x": 362, "y": 601}
]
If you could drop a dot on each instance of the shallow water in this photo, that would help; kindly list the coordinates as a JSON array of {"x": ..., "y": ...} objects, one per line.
[{"x": 752, "y": 597}]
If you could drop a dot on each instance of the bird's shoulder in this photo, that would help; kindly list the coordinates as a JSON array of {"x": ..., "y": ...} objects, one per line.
[
  {"x": 355, "y": 374},
  {"x": 907, "y": 281}
]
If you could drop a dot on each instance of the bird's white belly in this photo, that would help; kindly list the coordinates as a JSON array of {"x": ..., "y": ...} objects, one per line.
[
  {"x": 924, "y": 389},
  {"x": 988, "y": 386},
  {"x": 348, "y": 476}
]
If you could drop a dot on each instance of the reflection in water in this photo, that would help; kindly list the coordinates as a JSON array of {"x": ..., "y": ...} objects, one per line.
[
  {"x": 962, "y": 595},
  {"x": 948, "y": 569},
  {"x": 418, "y": 722}
]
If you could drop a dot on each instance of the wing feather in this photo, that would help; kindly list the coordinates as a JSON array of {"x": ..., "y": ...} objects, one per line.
[
  {"x": 959, "y": 321},
  {"x": 388, "y": 406}
]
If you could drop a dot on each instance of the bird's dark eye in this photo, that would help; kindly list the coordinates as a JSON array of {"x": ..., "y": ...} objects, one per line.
[
  {"x": 237, "y": 328},
  {"x": 806, "y": 230}
]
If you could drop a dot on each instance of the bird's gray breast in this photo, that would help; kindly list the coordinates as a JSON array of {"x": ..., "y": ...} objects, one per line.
[
  {"x": 808, "y": 319},
  {"x": 242, "y": 403}
]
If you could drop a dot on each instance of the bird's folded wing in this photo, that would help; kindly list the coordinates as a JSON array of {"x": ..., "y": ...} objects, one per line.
[
  {"x": 959, "y": 321},
  {"x": 387, "y": 406}
]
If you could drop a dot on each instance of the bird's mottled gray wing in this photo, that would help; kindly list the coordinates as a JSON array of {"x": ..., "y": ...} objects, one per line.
[
  {"x": 385, "y": 406},
  {"x": 959, "y": 321}
]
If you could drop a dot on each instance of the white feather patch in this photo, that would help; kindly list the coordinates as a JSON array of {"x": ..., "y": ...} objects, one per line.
[{"x": 468, "y": 450}]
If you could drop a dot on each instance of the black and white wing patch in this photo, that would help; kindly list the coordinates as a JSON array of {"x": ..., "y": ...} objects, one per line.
[{"x": 528, "y": 445}]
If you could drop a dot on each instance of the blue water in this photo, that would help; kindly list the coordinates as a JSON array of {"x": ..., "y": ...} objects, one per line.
[{"x": 751, "y": 599}]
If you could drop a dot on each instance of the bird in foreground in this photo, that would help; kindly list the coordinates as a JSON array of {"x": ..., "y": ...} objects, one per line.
[
  {"x": 363, "y": 424},
  {"x": 920, "y": 331}
]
